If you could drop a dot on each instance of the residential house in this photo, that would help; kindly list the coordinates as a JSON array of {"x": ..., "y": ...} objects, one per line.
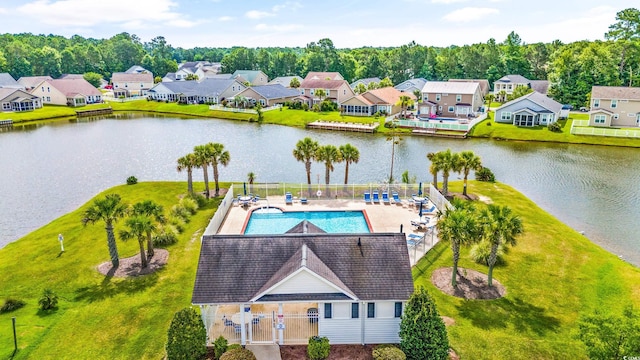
[
  {"x": 384, "y": 100},
  {"x": 70, "y": 92},
  {"x": 285, "y": 80},
  {"x": 484, "y": 85},
  {"x": 137, "y": 69},
  {"x": 269, "y": 95},
  {"x": 450, "y": 99},
  {"x": 335, "y": 90},
  {"x": 7, "y": 81},
  {"x": 411, "y": 85},
  {"x": 193, "y": 68},
  {"x": 12, "y": 99},
  {"x": 352, "y": 289},
  {"x": 30, "y": 82},
  {"x": 506, "y": 84},
  {"x": 253, "y": 77},
  {"x": 319, "y": 75},
  {"x": 616, "y": 106},
  {"x": 131, "y": 84},
  {"x": 532, "y": 109},
  {"x": 211, "y": 91},
  {"x": 365, "y": 82}
]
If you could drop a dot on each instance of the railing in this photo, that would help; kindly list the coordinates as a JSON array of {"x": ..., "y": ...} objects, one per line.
[
  {"x": 581, "y": 127},
  {"x": 218, "y": 217}
]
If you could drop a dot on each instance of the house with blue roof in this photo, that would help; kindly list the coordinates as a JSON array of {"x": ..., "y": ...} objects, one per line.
[
  {"x": 529, "y": 110},
  {"x": 411, "y": 85},
  {"x": 269, "y": 95},
  {"x": 253, "y": 77}
]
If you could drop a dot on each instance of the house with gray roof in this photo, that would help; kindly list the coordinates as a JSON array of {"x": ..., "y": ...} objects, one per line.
[
  {"x": 285, "y": 80},
  {"x": 506, "y": 84},
  {"x": 7, "y": 81},
  {"x": 530, "y": 110},
  {"x": 617, "y": 106},
  {"x": 269, "y": 95},
  {"x": 210, "y": 91},
  {"x": 365, "y": 82},
  {"x": 411, "y": 85},
  {"x": 137, "y": 69},
  {"x": 351, "y": 288},
  {"x": 12, "y": 99},
  {"x": 131, "y": 84},
  {"x": 253, "y": 77}
]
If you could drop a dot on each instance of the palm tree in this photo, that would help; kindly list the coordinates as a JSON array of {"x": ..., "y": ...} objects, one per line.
[
  {"x": 294, "y": 83},
  {"x": 395, "y": 139},
  {"x": 435, "y": 167},
  {"x": 305, "y": 151},
  {"x": 489, "y": 98},
  {"x": 500, "y": 226},
  {"x": 404, "y": 102},
  {"x": 349, "y": 154},
  {"x": 109, "y": 210},
  {"x": 320, "y": 94},
  {"x": 201, "y": 153},
  {"x": 153, "y": 211},
  {"x": 328, "y": 154},
  {"x": 188, "y": 162},
  {"x": 251, "y": 177},
  {"x": 468, "y": 161},
  {"x": 360, "y": 88},
  {"x": 218, "y": 156},
  {"x": 458, "y": 227},
  {"x": 138, "y": 226},
  {"x": 449, "y": 162}
]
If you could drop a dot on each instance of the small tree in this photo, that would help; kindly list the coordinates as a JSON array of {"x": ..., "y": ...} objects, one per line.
[
  {"x": 220, "y": 346},
  {"x": 609, "y": 336},
  {"x": 422, "y": 332},
  {"x": 318, "y": 348},
  {"x": 187, "y": 337},
  {"x": 93, "y": 78},
  {"x": 386, "y": 82},
  {"x": 321, "y": 94},
  {"x": 48, "y": 300},
  {"x": 360, "y": 88},
  {"x": 294, "y": 83}
]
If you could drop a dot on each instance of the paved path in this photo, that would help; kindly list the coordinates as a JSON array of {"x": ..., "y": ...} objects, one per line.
[{"x": 265, "y": 352}]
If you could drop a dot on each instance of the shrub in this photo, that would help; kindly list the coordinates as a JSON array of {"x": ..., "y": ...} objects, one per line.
[
  {"x": 219, "y": 346},
  {"x": 318, "y": 348},
  {"x": 190, "y": 205},
  {"x": 388, "y": 352},
  {"x": 199, "y": 198},
  {"x": 488, "y": 123},
  {"x": 167, "y": 236},
  {"x": 480, "y": 253},
  {"x": 181, "y": 212},
  {"x": 422, "y": 331},
  {"x": 178, "y": 223},
  {"x": 305, "y": 107},
  {"x": 234, "y": 346},
  {"x": 315, "y": 108},
  {"x": 132, "y": 180},
  {"x": 485, "y": 174},
  {"x": 48, "y": 300},
  {"x": 328, "y": 105},
  {"x": 186, "y": 337},
  {"x": 11, "y": 305},
  {"x": 554, "y": 127},
  {"x": 238, "y": 354}
]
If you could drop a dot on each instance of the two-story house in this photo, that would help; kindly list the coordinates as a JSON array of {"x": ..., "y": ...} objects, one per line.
[
  {"x": 253, "y": 77},
  {"x": 131, "y": 84},
  {"x": 70, "y": 92},
  {"x": 615, "y": 106},
  {"x": 506, "y": 84},
  {"x": 337, "y": 91},
  {"x": 450, "y": 99}
]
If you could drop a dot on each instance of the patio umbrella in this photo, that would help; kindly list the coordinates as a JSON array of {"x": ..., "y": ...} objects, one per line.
[
  {"x": 420, "y": 210},
  {"x": 245, "y": 188},
  {"x": 420, "y": 189}
]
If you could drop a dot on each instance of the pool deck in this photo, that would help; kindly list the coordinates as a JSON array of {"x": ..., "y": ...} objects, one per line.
[{"x": 383, "y": 218}]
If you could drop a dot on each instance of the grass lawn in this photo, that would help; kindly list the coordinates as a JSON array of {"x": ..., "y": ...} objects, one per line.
[
  {"x": 97, "y": 317},
  {"x": 552, "y": 276},
  {"x": 47, "y": 112},
  {"x": 500, "y": 131}
]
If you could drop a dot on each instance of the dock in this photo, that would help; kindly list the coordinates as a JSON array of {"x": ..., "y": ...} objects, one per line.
[
  {"x": 6, "y": 122},
  {"x": 94, "y": 112},
  {"x": 434, "y": 132},
  {"x": 342, "y": 126}
]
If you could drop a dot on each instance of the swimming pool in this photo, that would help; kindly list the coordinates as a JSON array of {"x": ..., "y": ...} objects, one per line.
[{"x": 336, "y": 222}]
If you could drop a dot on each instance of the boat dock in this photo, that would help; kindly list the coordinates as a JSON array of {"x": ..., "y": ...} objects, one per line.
[
  {"x": 93, "y": 112},
  {"x": 342, "y": 126},
  {"x": 6, "y": 122},
  {"x": 434, "y": 132}
]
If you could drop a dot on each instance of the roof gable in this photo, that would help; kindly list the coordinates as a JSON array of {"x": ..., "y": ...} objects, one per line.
[
  {"x": 615, "y": 92},
  {"x": 387, "y": 95},
  {"x": 249, "y": 75},
  {"x": 538, "y": 99},
  {"x": 323, "y": 75},
  {"x": 73, "y": 87},
  {"x": 6, "y": 80},
  {"x": 514, "y": 79}
]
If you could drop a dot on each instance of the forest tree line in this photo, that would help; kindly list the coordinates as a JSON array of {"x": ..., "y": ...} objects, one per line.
[{"x": 571, "y": 68}]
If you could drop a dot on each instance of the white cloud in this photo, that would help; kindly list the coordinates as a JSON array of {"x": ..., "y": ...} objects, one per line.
[
  {"x": 3, "y": 11},
  {"x": 470, "y": 14},
  {"x": 82, "y": 13},
  {"x": 289, "y": 5},
  {"x": 226, "y": 18},
  {"x": 278, "y": 28},
  {"x": 256, "y": 14},
  {"x": 447, "y": 1}
]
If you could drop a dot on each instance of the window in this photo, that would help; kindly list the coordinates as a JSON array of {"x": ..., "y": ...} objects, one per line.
[
  {"x": 355, "y": 310},
  {"x": 616, "y": 116},
  {"x": 505, "y": 115},
  {"x": 440, "y": 108},
  {"x": 614, "y": 104},
  {"x": 509, "y": 87},
  {"x": 233, "y": 88},
  {"x": 599, "y": 119},
  {"x": 126, "y": 85},
  {"x": 371, "y": 310},
  {"x": 543, "y": 118},
  {"x": 596, "y": 102},
  {"x": 43, "y": 89},
  {"x": 49, "y": 98},
  {"x": 425, "y": 97},
  {"x": 327, "y": 310},
  {"x": 438, "y": 96},
  {"x": 141, "y": 85},
  {"x": 398, "y": 309},
  {"x": 302, "y": 91},
  {"x": 311, "y": 92},
  {"x": 344, "y": 92},
  {"x": 458, "y": 98},
  {"x": 450, "y": 109},
  {"x": 262, "y": 102},
  {"x": 7, "y": 106},
  {"x": 48, "y": 89}
]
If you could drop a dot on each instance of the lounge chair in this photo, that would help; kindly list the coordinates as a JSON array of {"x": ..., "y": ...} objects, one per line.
[
  {"x": 288, "y": 198},
  {"x": 303, "y": 201},
  {"x": 429, "y": 211},
  {"x": 413, "y": 239},
  {"x": 367, "y": 197},
  {"x": 376, "y": 197},
  {"x": 396, "y": 198},
  {"x": 385, "y": 197},
  {"x": 419, "y": 223}
]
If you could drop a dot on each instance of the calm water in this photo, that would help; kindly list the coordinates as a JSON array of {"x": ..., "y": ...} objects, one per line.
[
  {"x": 333, "y": 222},
  {"x": 51, "y": 169}
]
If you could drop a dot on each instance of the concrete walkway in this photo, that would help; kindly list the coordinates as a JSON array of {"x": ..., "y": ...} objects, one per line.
[{"x": 265, "y": 352}]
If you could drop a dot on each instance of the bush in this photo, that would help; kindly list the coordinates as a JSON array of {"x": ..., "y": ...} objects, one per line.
[
  {"x": 238, "y": 354},
  {"x": 305, "y": 107},
  {"x": 178, "y": 223},
  {"x": 328, "y": 105},
  {"x": 485, "y": 174},
  {"x": 11, "y": 305},
  {"x": 318, "y": 348},
  {"x": 167, "y": 236},
  {"x": 554, "y": 127},
  {"x": 422, "y": 332},
  {"x": 388, "y": 352},
  {"x": 190, "y": 205},
  {"x": 480, "y": 253},
  {"x": 219, "y": 346},
  {"x": 234, "y": 347},
  {"x": 179, "y": 211},
  {"x": 186, "y": 337},
  {"x": 488, "y": 123},
  {"x": 199, "y": 198},
  {"x": 315, "y": 108},
  {"x": 132, "y": 180},
  {"x": 48, "y": 300}
]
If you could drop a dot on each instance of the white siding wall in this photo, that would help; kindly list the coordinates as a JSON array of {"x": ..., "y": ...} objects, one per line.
[
  {"x": 303, "y": 282},
  {"x": 381, "y": 331},
  {"x": 341, "y": 328}
]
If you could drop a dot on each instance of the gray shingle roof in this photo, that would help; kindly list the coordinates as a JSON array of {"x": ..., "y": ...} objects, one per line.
[
  {"x": 514, "y": 79},
  {"x": 236, "y": 268},
  {"x": 275, "y": 91},
  {"x": 249, "y": 75},
  {"x": 284, "y": 80},
  {"x": 6, "y": 80},
  {"x": 540, "y": 99},
  {"x": 206, "y": 87},
  {"x": 615, "y": 92},
  {"x": 305, "y": 227},
  {"x": 541, "y": 86},
  {"x": 365, "y": 82},
  {"x": 417, "y": 83}
]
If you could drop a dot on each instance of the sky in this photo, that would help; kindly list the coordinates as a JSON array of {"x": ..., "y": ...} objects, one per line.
[{"x": 348, "y": 23}]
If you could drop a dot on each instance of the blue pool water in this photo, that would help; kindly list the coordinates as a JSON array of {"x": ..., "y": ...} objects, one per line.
[{"x": 336, "y": 222}]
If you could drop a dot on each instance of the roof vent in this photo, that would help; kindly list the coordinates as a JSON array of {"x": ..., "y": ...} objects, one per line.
[{"x": 304, "y": 255}]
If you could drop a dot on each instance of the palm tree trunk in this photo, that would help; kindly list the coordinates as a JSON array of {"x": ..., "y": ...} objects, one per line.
[
  {"x": 206, "y": 180},
  {"x": 113, "y": 248},
  {"x": 445, "y": 184},
  {"x": 327, "y": 175},
  {"x": 393, "y": 151},
  {"x": 307, "y": 166},
  {"x": 435, "y": 180},
  {"x": 190, "y": 181},
  {"x": 150, "y": 251},
  {"x": 346, "y": 173},
  {"x": 455, "y": 247},
  {"x": 143, "y": 258},
  {"x": 215, "y": 178},
  {"x": 493, "y": 256},
  {"x": 464, "y": 188}
]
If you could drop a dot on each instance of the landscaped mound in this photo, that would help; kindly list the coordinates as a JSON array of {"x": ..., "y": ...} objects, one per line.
[
  {"x": 131, "y": 266},
  {"x": 471, "y": 284}
]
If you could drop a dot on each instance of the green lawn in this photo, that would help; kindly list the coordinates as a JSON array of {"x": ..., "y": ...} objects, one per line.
[
  {"x": 47, "y": 112},
  {"x": 98, "y": 317},
  {"x": 552, "y": 276},
  {"x": 499, "y": 131}
]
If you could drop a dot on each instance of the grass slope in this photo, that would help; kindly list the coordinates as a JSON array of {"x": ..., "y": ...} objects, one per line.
[
  {"x": 97, "y": 317},
  {"x": 552, "y": 276},
  {"x": 47, "y": 112}
]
